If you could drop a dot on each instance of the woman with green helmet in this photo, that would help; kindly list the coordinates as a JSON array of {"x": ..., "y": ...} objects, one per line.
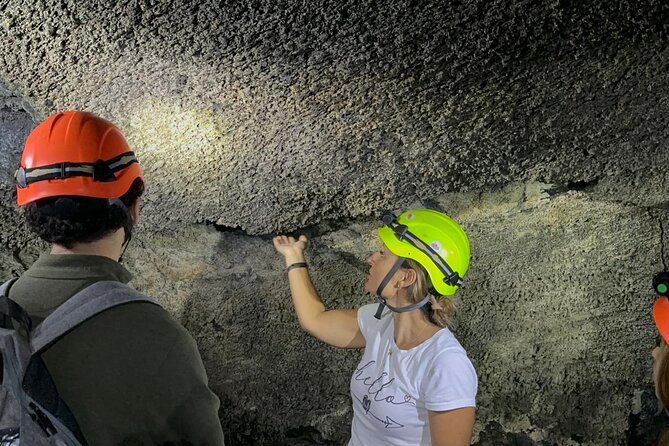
[{"x": 414, "y": 383}]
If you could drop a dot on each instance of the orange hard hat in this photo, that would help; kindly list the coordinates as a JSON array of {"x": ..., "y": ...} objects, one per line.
[
  {"x": 75, "y": 153},
  {"x": 661, "y": 316},
  {"x": 661, "y": 306}
]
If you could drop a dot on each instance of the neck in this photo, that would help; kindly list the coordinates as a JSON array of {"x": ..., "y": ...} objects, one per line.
[
  {"x": 412, "y": 328},
  {"x": 110, "y": 246}
]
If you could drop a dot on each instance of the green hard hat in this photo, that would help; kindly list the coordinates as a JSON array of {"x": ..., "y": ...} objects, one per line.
[{"x": 434, "y": 240}]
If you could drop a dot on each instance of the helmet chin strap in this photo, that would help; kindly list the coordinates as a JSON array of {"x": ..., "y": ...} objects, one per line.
[
  {"x": 125, "y": 245},
  {"x": 413, "y": 306},
  {"x": 127, "y": 224},
  {"x": 382, "y": 300}
]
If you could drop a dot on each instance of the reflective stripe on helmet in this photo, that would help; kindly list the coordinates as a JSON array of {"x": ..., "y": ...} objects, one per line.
[
  {"x": 100, "y": 170},
  {"x": 403, "y": 234}
]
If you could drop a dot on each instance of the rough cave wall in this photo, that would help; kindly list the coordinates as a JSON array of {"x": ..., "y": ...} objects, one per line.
[{"x": 540, "y": 126}]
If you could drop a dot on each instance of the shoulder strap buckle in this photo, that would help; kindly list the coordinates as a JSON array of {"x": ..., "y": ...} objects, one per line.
[{"x": 42, "y": 420}]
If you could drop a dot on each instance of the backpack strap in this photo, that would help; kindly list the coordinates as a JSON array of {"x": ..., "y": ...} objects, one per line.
[
  {"x": 4, "y": 288},
  {"x": 87, "y": 303},
  {"x": 10, "y": 310}
]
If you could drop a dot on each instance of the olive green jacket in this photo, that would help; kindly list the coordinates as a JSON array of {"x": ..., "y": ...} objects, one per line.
[{"x": 131, "y": 375}]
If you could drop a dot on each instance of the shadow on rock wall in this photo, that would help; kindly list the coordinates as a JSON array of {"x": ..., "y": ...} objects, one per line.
[{"x": 276, "y": 382}]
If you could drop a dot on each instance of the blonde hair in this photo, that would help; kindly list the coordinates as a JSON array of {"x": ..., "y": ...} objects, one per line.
[
  {"x": 441, "y": 309},
  {"x": 662, "y": 384}
]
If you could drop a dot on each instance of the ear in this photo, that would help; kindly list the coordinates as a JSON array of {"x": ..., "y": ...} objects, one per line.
[
  {"x": 134, "y": 211},
  {"x": 409, "y": 277}
]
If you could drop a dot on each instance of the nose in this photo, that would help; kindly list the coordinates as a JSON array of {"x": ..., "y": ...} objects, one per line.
[
  {"x": 371, "y": 259},
  {"x": 655, "y": 352}
]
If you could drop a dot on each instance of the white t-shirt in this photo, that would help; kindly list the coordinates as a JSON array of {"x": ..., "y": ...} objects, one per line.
[{"x": 393, "y": 389}]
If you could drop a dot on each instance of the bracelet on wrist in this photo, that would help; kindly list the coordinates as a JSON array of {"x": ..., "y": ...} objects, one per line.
[{"x": 296, "y": 265}]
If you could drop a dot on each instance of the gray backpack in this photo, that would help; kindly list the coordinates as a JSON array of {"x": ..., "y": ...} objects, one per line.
[{"x": 31, "y": 411}]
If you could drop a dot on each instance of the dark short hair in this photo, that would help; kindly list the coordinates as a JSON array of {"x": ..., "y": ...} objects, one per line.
[{"x": 71, "y": 219}]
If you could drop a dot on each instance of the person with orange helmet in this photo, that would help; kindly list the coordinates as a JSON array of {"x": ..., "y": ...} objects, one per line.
[
  {"x": 414, "y": 383},
  {"x": 131, "y": 374},
  {"x": 660, "y": 353}
]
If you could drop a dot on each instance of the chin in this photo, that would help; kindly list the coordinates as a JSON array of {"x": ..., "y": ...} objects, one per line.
[{"x": 366, "y": 287}]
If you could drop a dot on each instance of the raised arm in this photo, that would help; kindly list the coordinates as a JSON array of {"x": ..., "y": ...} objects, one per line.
[{"x": 338, "y": 328}]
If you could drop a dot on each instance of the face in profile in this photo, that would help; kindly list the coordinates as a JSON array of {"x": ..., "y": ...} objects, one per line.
[
  {"x": 661, "y": 372},
  {"x": 656, "y": 360},
  {"x": 380, "y": 262}
]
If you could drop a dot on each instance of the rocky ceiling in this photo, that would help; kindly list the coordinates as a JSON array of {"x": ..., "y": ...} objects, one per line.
[{"x": 266, "y": 115}]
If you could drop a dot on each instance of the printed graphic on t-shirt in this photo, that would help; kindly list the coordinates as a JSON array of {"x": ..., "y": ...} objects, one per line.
[{"x": 376, "y": 399}]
